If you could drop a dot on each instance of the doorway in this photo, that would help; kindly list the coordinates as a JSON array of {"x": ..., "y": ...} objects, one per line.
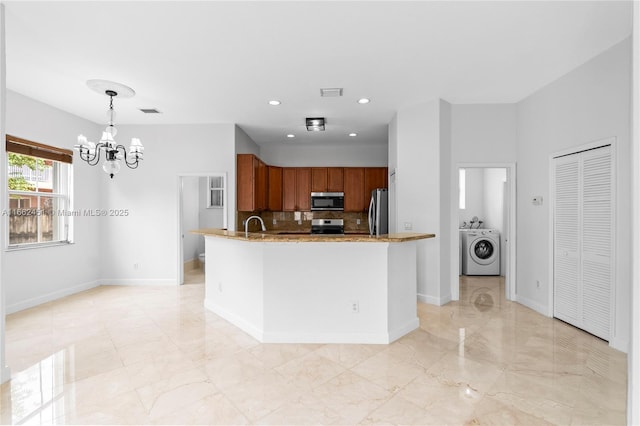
[
  {"x": 486, "y": 202},
  {"x": 202, "y": 203}
]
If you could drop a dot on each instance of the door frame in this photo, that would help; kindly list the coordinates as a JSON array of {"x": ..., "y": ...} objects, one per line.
[
  {"x": 510, "y": 268},
  {"x": 225, "y": 214}
]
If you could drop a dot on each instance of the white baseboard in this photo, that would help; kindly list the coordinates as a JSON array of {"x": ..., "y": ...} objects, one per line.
[
  {"x": 298, "y": 337},
  {"x": 35, "y": 301},
  {"x": 539, "y": 308},
  {"x": 5, "y": 374},
  {"x": 401, "y": 331},
  {"x": 141, "y": 281},
  {"x": 620, "y": 344},
  {"x": 242, "y": 324},
  {"x": 432, "y": 300}
]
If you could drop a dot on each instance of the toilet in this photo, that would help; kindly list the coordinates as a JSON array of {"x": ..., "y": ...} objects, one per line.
[{"x": 201, "y": 259}]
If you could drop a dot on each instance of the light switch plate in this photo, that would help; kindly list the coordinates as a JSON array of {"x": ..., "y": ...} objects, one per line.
[{"x": 408, "y": 226}]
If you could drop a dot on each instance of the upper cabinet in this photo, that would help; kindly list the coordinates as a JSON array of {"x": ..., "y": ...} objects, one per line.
[
  {"x": 374, "y": 177},
  {"x": 319, "y": 179},
  {"x": 263, "y": 187},
  {"x": 251, "y": 183},
  {"x": 354, "y": 189},
  {"x": 296, "y": 189},
  {"x": 274, "y": 193},
  {"x": 303, "y": 189},
  {"x": 335, "y": 179},
  {"x": 288, "y": 189},
  {"x": 327, "y": 179}
]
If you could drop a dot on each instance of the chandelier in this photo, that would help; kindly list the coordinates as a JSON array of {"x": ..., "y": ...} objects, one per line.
[{"x": 114, "y": 154}]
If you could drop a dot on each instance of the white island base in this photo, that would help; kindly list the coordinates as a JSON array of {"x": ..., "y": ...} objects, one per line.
[{"x": 313, "y": 292}]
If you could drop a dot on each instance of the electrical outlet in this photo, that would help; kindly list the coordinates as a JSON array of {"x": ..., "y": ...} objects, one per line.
[
  {"x": 136, "y": 266},
  {"x": 408, "y": 226},
  {"x": 299, "y": 221},
  {"x": 357, "y": 221},
  {"x": 275, "y": 222},
  {"x": 355, "y": 306}
]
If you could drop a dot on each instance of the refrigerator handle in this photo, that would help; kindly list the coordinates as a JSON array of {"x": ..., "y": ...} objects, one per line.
[{"x": 370, "y": 216}]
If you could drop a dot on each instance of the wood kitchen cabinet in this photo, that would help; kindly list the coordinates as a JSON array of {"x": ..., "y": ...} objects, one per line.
[
  {"x": 318, "y": 179},
  {"x": 251, "y": 183},
  {"x": 354, "y": 200},
  {"x": 296, "y": 189},
  {"x": 303, "y": 189},
  {"x": 288, "y": 189},
  {"x": 274, "y": 193},
  {"x": 327, "y": 179},
  {"x": 335, "y": 179},
  {"x": 374, "y": 177}
]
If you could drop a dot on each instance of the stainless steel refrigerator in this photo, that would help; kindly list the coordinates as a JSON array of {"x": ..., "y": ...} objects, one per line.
[{"x": 379, "y": 212}]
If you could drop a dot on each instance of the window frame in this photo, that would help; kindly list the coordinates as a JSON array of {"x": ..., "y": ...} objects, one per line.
[
  {"x": 61, "y": 193},
  {"x": 220, "y": 189}
]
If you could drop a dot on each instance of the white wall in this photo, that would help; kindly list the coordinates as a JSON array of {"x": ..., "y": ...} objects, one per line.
[
  {"x": 190, "y": 216},
  {"x": 590, "y": 103},
  {"x": 148, "y": 237},
  {"x": 244, "y": 144},
  {"x": 474, "y": 199},
  {"x": 484, "y": 133},
  {"x": 61, "y": 270},
  {"x": 494, "y": 179},
  {"x": 336, "y": 155},
  {"x": 415, "y": 139},
  {"x": 448, "y": 223}
]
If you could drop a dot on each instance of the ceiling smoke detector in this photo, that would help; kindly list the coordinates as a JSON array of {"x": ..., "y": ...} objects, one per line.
[
  {"x": 315, "y": 124},
  {"x": 332, "y": 92}
]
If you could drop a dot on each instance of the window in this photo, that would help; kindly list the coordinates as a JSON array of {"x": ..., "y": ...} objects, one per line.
[
  {"x": 39, "y": 181},
  {"x": 462, "y": 182},
  {"x": 215, "y": 194}
]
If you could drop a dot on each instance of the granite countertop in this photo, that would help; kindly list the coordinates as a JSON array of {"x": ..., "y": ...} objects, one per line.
[{"x": 298, "y": 237}]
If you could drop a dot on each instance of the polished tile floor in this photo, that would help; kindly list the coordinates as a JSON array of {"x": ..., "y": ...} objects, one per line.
[{"x": 154, "y": 355}]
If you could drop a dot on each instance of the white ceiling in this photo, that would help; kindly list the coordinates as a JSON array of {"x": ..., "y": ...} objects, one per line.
[{"x": 221, "y": 62}]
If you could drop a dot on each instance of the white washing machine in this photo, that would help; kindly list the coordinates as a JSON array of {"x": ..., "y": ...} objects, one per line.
[{"x": 481, "y": 252}]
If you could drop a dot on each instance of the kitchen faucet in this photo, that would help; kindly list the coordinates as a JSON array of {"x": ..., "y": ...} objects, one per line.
[{"x": 246, "y": 225}]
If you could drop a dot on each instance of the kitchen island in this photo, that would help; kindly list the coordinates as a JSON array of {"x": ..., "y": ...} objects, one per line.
[{"x": 293, "y": 288}]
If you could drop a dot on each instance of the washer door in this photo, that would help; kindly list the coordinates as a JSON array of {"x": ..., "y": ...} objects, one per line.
[{"x": 483, "y": 251}]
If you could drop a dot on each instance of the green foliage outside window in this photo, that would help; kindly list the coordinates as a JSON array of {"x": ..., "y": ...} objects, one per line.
[{"x": 19, "y": 183}]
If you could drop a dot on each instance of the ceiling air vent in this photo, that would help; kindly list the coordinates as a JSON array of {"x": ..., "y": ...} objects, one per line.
[
  {"x": 325, "y": 93},
  {"x": 150, "y": 111}
]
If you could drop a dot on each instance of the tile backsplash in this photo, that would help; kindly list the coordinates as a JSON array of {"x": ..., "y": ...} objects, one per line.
[{"x": 301, "y": 221}]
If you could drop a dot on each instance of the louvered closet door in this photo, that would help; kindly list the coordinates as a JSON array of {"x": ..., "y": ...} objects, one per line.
[
  {"x": 583, "y": 240},
  {"x": 566, "y": 271}
]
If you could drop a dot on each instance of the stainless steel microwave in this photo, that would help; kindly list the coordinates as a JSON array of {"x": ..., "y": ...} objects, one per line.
[{"x": 327, "y": 201}]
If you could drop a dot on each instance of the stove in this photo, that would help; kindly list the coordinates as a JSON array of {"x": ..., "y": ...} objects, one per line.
[{"x": 327, "y": 226}]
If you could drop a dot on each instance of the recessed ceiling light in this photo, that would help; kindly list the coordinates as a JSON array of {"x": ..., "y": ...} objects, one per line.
[
  {"x": 274, "y": 102},
  {"x": 291, "y": 135},
  {"x": 364, "y": 100},
  {"x": 353, "y": 135}
]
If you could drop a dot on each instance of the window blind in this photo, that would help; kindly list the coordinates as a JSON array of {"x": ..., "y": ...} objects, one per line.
[{"x": 36, "y": 149}]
